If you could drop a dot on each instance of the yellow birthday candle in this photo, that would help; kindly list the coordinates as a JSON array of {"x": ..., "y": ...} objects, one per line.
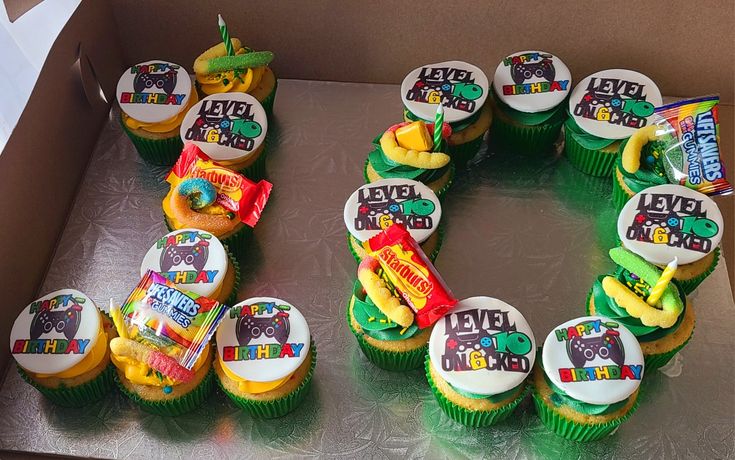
[{"x": 663, "y": 281}]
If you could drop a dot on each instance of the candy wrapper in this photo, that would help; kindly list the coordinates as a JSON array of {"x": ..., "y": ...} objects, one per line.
[
  {"x": 177, "y": 323},
  {"x": 411, "y": 273},
  {"x": 235, "y": 192},
  {"x": 684, "y": 139}
]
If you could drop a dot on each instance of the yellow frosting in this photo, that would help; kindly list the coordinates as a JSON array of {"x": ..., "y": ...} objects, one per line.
[
  {"x": 248, "y": 386},
  {"x": 212, "y": 83},
  {"x": 165, "y": 125},
  {"x": 141, "y": 374},
  {"x": 89, "y": 362}
]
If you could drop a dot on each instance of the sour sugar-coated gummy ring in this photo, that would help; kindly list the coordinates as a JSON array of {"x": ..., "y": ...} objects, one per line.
[
  {"x": 671, "y": 305},
  {"x": 424, "y": 160},
  {"x": 217, "y": 224},
  {"x": 158, "y": 361},
  {"x": 632, "y": 152},
  {"x": 200, "y": 192},
  {"x": 379, "y": 293}
]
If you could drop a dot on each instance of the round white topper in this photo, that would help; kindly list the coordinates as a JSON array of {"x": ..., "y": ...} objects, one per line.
[
  {"x": 460, "y": 86},
  {"x": 226, "y": 126},
  {"x": 55, "y": 332},
  {"x": 613, "y": 104},
  {"x": 593, "y": 359},
  {"x": 374, "y": 206},
  {"x": 263, "y": 339},
  {"x": 532, "y": 81},
  {"x": 193, "y": 259},
  {"x": 667, "y": 221},
  {"x": 483, "y": 346},
  {"x": 154, "y": 91}
]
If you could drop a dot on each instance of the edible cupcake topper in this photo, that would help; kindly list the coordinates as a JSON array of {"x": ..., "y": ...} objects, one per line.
[
  {"x": 375, "y": 206},
  {"x": 612, "y": 104},
  {"x": 263, "y": 339},
  {"x": 229, "y": 126},
  {"x": 483, "y": 346},
  {"x": 192, "y": 259},
  {"x": 668, "y": 221},
  {"x": 461, "y": 87},
  {"x": 154, "y": 91},
  {"x": 55, "y": 332},
  {"x": 532, "y": 81},
  {"x": 593, "y": 359}
]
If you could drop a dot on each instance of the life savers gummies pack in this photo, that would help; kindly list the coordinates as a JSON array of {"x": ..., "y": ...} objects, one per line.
[{"x": 174, "y": 322}]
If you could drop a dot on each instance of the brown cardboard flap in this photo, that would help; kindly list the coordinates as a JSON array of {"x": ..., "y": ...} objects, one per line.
[
  {"x": 45, "y": 157},
  {"x": 685, "y": 46},
  {"x": 17, "y": 8}
]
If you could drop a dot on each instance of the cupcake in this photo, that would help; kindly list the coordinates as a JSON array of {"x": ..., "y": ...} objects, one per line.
[
  {"x": 60, "y": 343},
  {"x": 479, "y": 357},
  {"x": 231, "y": 130},
  {"x": 586, "y": 383},
  {"x": 195, "y": 261},
  {"x": 162, "y": 355},
  {"x": 605, "y": 108},
  {"x": 529, "y": 91},
  {"x": 265, "y": 357},
  {"x": 623, "y": 298},
  {"x": 664, "y": 152},
  {"x": 374, "y": 206},
  {"x": 245, "y": 72},
  {"x": 672, "y": 221},
  {"x": 462, "y": 89},
  {"x": 207, "y": 196},
  {"x": 154, "y": 96},
  {"x": 407, "y": 151}
]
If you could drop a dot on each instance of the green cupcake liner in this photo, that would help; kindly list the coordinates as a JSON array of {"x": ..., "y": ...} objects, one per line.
[
  {"x": 235, "y": 243},
  {"x": 572, "y": 430},
  {"x": 278, "y": 407},
  {"x": 388, "y": 360},
  {"x": 593, "y": 162},
  {"x": 619, "y": 195},
  {"x": 531, "y": 140},
  {"x": 432, "y": 257},
  {"x": 439, "y": 194},
  {"x": 470, "y": 417},
  {"x": 691, "y": 285},
  {"x": 270, "y": 101},
  {"x": 76, "y": 396},
  {"x": 173, "y": 407},
  {"x": 232, "y": 298},
  {"x": 161, "y": 152},
  {"x": 256, "y": 171},
  {"x": 462, "y": 153}
]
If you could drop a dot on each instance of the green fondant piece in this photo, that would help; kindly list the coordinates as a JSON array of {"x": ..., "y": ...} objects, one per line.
[{"x": 240, "y": 61}]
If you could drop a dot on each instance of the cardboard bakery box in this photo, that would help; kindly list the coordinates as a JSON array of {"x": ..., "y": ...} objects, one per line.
[{"x": 378, "y": 42}]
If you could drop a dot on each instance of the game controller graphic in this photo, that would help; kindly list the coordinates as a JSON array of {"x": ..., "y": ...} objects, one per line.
[
  {"x": 542, "y": 69},
  {"x": 195, "y": 255},
  {"x": 66, "y": 321},
  {"x": 607, "y": 346},
  {"x": 165, "y": 81},
  {"x": 275, "y": 327}
]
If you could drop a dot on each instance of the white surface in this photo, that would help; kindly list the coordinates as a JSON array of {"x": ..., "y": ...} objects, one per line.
[
  {"x": 481, "y": 381},
  {"x": 663, "y": 253},
  {"x": 533, "y": 102},
  {"x": 216, "y": 261},
  {"x": 24, "y": 46},
  {"x": 378, "y": 197}
]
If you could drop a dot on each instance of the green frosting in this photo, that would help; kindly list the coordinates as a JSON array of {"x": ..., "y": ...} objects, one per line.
[
  {"x": 531, "y": 119},
  {"x": 373, "y": 322},
  {"x": 651, "y": 171},
  {"x": 492, "y": 398},
  {"x": 560, "y": 398},
  {"x": 456, "y": 126},
  {"x": 389, "y": 169},
  {"x": 585, "y": 139},
  {"x": 606, "y": 306}
]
